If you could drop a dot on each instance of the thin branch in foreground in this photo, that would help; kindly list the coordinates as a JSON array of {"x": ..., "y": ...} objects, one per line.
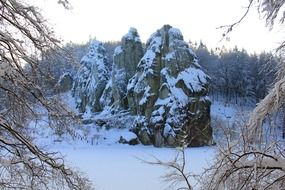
[
  {"x": 230, "y": 27},
  {"x": 177, "y": 173}
]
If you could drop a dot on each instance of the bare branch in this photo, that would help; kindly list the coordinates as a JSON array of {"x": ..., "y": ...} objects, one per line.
[
  {"x": 24, "y": 39},
  {"x": 230, "y": 27},
  {"x": 177, "y": 173}
]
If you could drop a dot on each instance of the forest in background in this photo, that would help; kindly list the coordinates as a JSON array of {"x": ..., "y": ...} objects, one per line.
[{"x": 234, "y": 73}]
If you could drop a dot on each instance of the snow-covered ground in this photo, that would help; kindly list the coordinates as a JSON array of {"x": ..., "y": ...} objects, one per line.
[
  {"x": 230, "y": 112},
  {"x": 110, "y": 165},
  {"x": 119, "y": 166}
]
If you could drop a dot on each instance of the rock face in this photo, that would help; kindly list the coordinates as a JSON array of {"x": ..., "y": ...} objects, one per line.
[
  {"x": 126, "y": 59},
  {"x": 163, "y": 87},
  {"x": 64, "y": 83},
  {"x": 169, "y": 93},
  {"x": 91, "y": 78}
]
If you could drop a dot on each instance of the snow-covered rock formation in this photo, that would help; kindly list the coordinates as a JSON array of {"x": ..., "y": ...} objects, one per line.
[
  {"x": 169, "y": 93},
  {"x": 91, "y": 78},
  {"x": 164, "y": 88},
  {"x": 126, "y": 59}
]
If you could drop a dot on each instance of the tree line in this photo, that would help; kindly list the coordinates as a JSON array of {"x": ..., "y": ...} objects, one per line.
[{"x": 235, "y": 74}]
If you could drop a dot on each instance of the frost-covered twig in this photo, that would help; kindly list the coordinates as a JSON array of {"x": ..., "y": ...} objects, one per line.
[
  {"x": 241, "y": 164},
  {"x": 230, "y": 27},
  {"x": 270, "y": 104},
  {"x": 177, "y": 173},
  {"x": 24, "y": 40}
]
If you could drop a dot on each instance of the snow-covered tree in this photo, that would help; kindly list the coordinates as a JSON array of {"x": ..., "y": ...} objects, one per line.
[
  {"x": 24, "y": 38},
  {"x": 255, "y": 160}
]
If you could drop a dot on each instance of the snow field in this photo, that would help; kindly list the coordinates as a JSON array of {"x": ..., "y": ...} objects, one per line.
[{"x": 113, "y": 166}]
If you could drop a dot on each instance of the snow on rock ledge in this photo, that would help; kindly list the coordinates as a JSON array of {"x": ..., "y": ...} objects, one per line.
[{"x": 169, "y": 93}]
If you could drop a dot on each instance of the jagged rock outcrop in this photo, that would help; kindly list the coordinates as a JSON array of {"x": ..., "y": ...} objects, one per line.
[
  {"x": 64, "y": 83},
  {"x": 169, "y": 93},
  {"x": 164, "y": 88},
  {"x": 126, "y": 59},
  {"x": 91, "y": 78}
]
